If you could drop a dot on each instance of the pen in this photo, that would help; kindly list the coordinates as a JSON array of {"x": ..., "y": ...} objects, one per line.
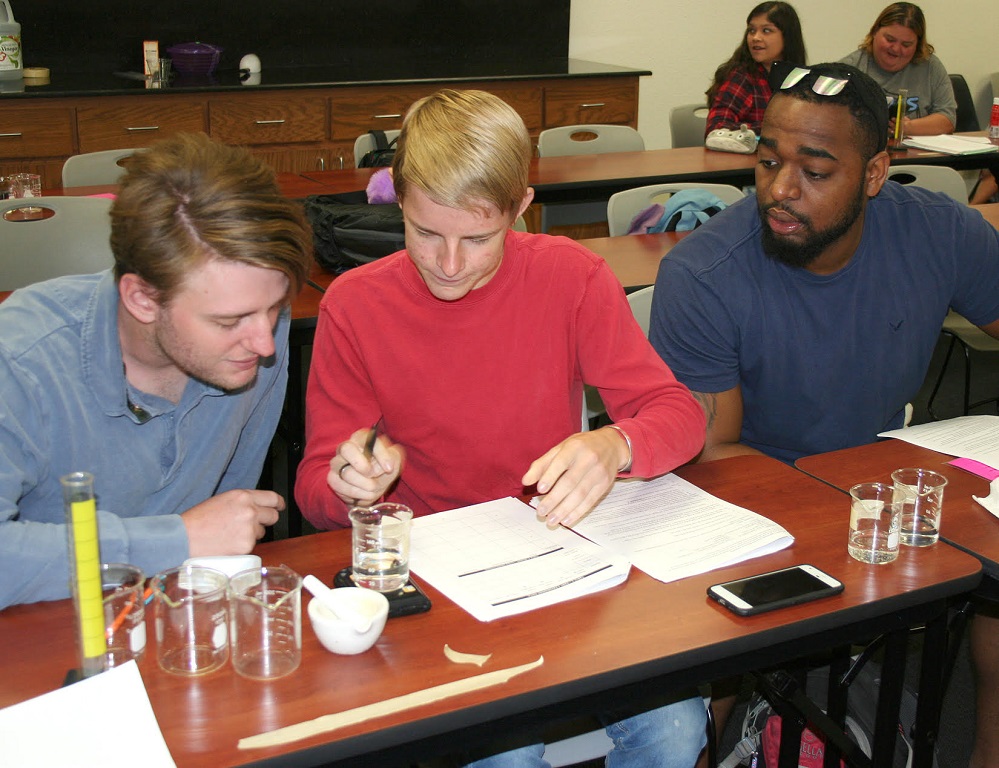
[
  {"x": 369, "y": 445},
  {"x": 120, "y": 618}
]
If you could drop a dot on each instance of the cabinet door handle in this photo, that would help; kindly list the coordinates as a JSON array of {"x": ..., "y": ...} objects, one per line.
[
  {"x": 595, "y": 104},
  {"x": 143, "y": 128},
  {"x": 322, "y": 163},
  {"x": 269, "y": 122},
  {"x": 10, "y": 135},
  {"x": 385, "y": 117}
]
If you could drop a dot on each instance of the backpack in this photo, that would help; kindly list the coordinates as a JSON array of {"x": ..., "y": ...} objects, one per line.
[
  {"x": 383, "y": 153},
  {"x": 762, "y": 725},
  {"x": 685, "y": 210},
  {"x": 347, "y": 231}
]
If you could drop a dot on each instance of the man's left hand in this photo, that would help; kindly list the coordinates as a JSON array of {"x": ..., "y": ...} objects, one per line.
[{"x": 576, "y": 474}]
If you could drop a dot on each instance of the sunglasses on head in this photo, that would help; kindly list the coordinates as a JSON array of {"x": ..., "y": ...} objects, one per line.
[{"x": 830, "y": 85}]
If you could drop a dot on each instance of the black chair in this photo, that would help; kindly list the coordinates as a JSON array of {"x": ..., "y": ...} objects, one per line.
[{"x": 967, "y": 118}]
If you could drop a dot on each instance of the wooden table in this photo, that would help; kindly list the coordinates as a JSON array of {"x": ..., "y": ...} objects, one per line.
[
  {"x": 291, "y": 184},
  {"x": 598, "y": 650},
  {"x": 963, "y": 522},
  {"x": 587, "y": 178}
]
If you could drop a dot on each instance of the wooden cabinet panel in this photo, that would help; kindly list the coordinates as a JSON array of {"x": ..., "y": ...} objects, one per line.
[
  {"x": 49, "y": 170},
  {"x": 358, "y": 110},
  {"x": 597, "y": 100},
  {"x": 269, "y": 118},
  {"x": 295, "y": 130},
  {"x": 117, "y": 123},
  {"x": 526, "y": 98},
  {"x": 297, "y": 159},
  {"x": 31, "y": 131}
]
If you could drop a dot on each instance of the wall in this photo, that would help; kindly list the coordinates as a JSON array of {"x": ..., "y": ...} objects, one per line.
[
  {"x": 422, "y": 36},
  {"x": 683, "y": 42}
]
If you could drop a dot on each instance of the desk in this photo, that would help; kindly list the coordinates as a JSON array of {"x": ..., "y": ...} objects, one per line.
[
  {"x": 963, "y": 523},
  {"x": 291, "y": 185},
  {"x": 638, "y": 637},
  {"x": 990, "y": 211},
  {"x": 587, "y": 178}
]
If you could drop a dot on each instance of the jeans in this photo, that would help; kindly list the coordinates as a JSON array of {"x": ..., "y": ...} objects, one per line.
[{"x": 668, "y": 737}]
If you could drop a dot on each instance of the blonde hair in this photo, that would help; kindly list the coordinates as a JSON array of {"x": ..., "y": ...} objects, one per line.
[
  {"x": 187, "y": 199},
  {"x": 907, "y": 15},
  {"x": 463, "y": 149}
]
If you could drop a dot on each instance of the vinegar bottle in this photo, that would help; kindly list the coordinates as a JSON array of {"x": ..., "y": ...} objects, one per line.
[{"x": 11, "y": 63}]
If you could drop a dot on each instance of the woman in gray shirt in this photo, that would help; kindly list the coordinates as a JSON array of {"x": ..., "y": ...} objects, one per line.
[{"x": 897, "y": 55}]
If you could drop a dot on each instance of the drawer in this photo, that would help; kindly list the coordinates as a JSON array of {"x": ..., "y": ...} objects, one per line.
[
  {"x": 122, "y": 123},
  {"x": 35, "y": 131},
  {"x": 526, "y": 99},
  {"x": 358, "y": 110},
  {"x": 276, "y": 118},
  {"x": 600, "y": 100}
]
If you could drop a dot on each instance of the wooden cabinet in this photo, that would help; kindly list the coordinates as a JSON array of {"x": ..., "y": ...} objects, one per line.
[
  {"x": 261, "y": 118},
  {"x": 597, "y": 100},
  {"x": 293, "y": 129},
  {"x": 36, "y": 140},
  {"x": 135, "y": 121}
]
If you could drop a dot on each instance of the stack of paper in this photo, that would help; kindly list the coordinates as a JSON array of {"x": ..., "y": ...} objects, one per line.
[
  {"x": 970, "y": 437},
  {"x": 949, "y": 144},
  {"x": 498, "y": 559}
]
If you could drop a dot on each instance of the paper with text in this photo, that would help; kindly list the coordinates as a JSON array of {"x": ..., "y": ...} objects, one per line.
[
  {"x": 498, "y": 559},
  {"x": 672, "y": 529},
  {"x": 970, "y": 437}
]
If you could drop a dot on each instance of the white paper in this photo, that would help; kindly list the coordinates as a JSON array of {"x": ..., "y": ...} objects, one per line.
[
  {"x": 104, "y": 721},
  {"x": 498, "y": 559},
  {"x": 952, "y": 145},
  {"x": 672, "y": 529},
  {"x": 970, "y": 437}
]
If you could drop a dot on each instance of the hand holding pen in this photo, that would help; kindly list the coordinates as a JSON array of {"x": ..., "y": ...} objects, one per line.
[{"x": 365, "y": 466}]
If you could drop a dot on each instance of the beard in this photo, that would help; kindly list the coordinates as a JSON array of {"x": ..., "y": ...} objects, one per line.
[{"x": 801, "y": 253}]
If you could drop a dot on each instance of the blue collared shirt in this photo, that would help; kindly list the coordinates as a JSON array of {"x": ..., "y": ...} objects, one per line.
[{"x": 64, "y": 407}]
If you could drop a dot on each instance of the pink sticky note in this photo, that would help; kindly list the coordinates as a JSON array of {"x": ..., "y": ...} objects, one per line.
[{"x": 976, "y": 468}]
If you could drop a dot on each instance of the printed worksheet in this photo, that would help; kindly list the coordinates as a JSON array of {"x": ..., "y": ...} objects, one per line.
[
  {"x": 970, "y": 437},
  {"x": 498, "y": 559}
]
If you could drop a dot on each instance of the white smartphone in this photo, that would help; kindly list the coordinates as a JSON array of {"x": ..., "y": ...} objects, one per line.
[{"x": 776, "y": 589}]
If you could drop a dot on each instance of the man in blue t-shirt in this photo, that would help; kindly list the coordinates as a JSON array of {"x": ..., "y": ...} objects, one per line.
[{"x": 804, "y": 320}]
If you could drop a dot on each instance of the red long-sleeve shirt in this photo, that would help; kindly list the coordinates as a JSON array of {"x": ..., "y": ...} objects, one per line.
[{"x": 478, "y": 388}]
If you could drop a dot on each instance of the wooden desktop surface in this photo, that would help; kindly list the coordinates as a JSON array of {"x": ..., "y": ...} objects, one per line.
[
  {"x": 575, "y": 178},
  {"x": 963, "y": 522},
  {"x": 641, "y": 632}
]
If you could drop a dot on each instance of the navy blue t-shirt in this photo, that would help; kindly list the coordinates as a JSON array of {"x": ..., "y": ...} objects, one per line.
[{"x": 824, "y": 361}]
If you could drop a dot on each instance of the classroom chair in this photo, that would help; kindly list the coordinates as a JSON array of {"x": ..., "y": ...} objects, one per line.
[
  {"x": 74, "y": 239},
  {"x": 623, "y": 206},
  {"x": 93, "y": 168}
]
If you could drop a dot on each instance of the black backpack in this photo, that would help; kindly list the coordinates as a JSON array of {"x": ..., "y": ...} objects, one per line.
[
  {"x": 347, "y": 231},
  {"x": 381, "y": 156}
]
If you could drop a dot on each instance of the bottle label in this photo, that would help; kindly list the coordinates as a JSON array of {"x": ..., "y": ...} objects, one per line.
[{"x": 10, "y": 52}]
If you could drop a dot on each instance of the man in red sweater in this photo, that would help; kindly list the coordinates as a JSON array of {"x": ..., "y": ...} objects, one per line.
[{"x": 471, "y": 348}]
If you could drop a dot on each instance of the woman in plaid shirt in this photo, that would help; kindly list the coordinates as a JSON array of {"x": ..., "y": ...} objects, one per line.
[{"x": 740, "y": 92}]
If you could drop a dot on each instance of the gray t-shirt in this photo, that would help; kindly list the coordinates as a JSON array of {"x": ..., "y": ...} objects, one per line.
[{"x": 930, "y": 90}]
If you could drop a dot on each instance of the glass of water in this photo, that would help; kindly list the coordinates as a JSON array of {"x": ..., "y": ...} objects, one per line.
[
  {"x": 381, "y": 546},
  {"x": 920, "y": 494},
  {"x": 874, "y": 523}
]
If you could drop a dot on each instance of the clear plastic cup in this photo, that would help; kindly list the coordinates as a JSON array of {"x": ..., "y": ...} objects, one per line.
[
  {"x": 874, "y": 523},
  {"x": 265, "y": 618},
  {"x": 192, "y": 634}
]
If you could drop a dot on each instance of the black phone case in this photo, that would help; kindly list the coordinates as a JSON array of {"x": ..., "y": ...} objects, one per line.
[
  {"x": 775, "y": 604},
  {"x": 405, "y": 601}
]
